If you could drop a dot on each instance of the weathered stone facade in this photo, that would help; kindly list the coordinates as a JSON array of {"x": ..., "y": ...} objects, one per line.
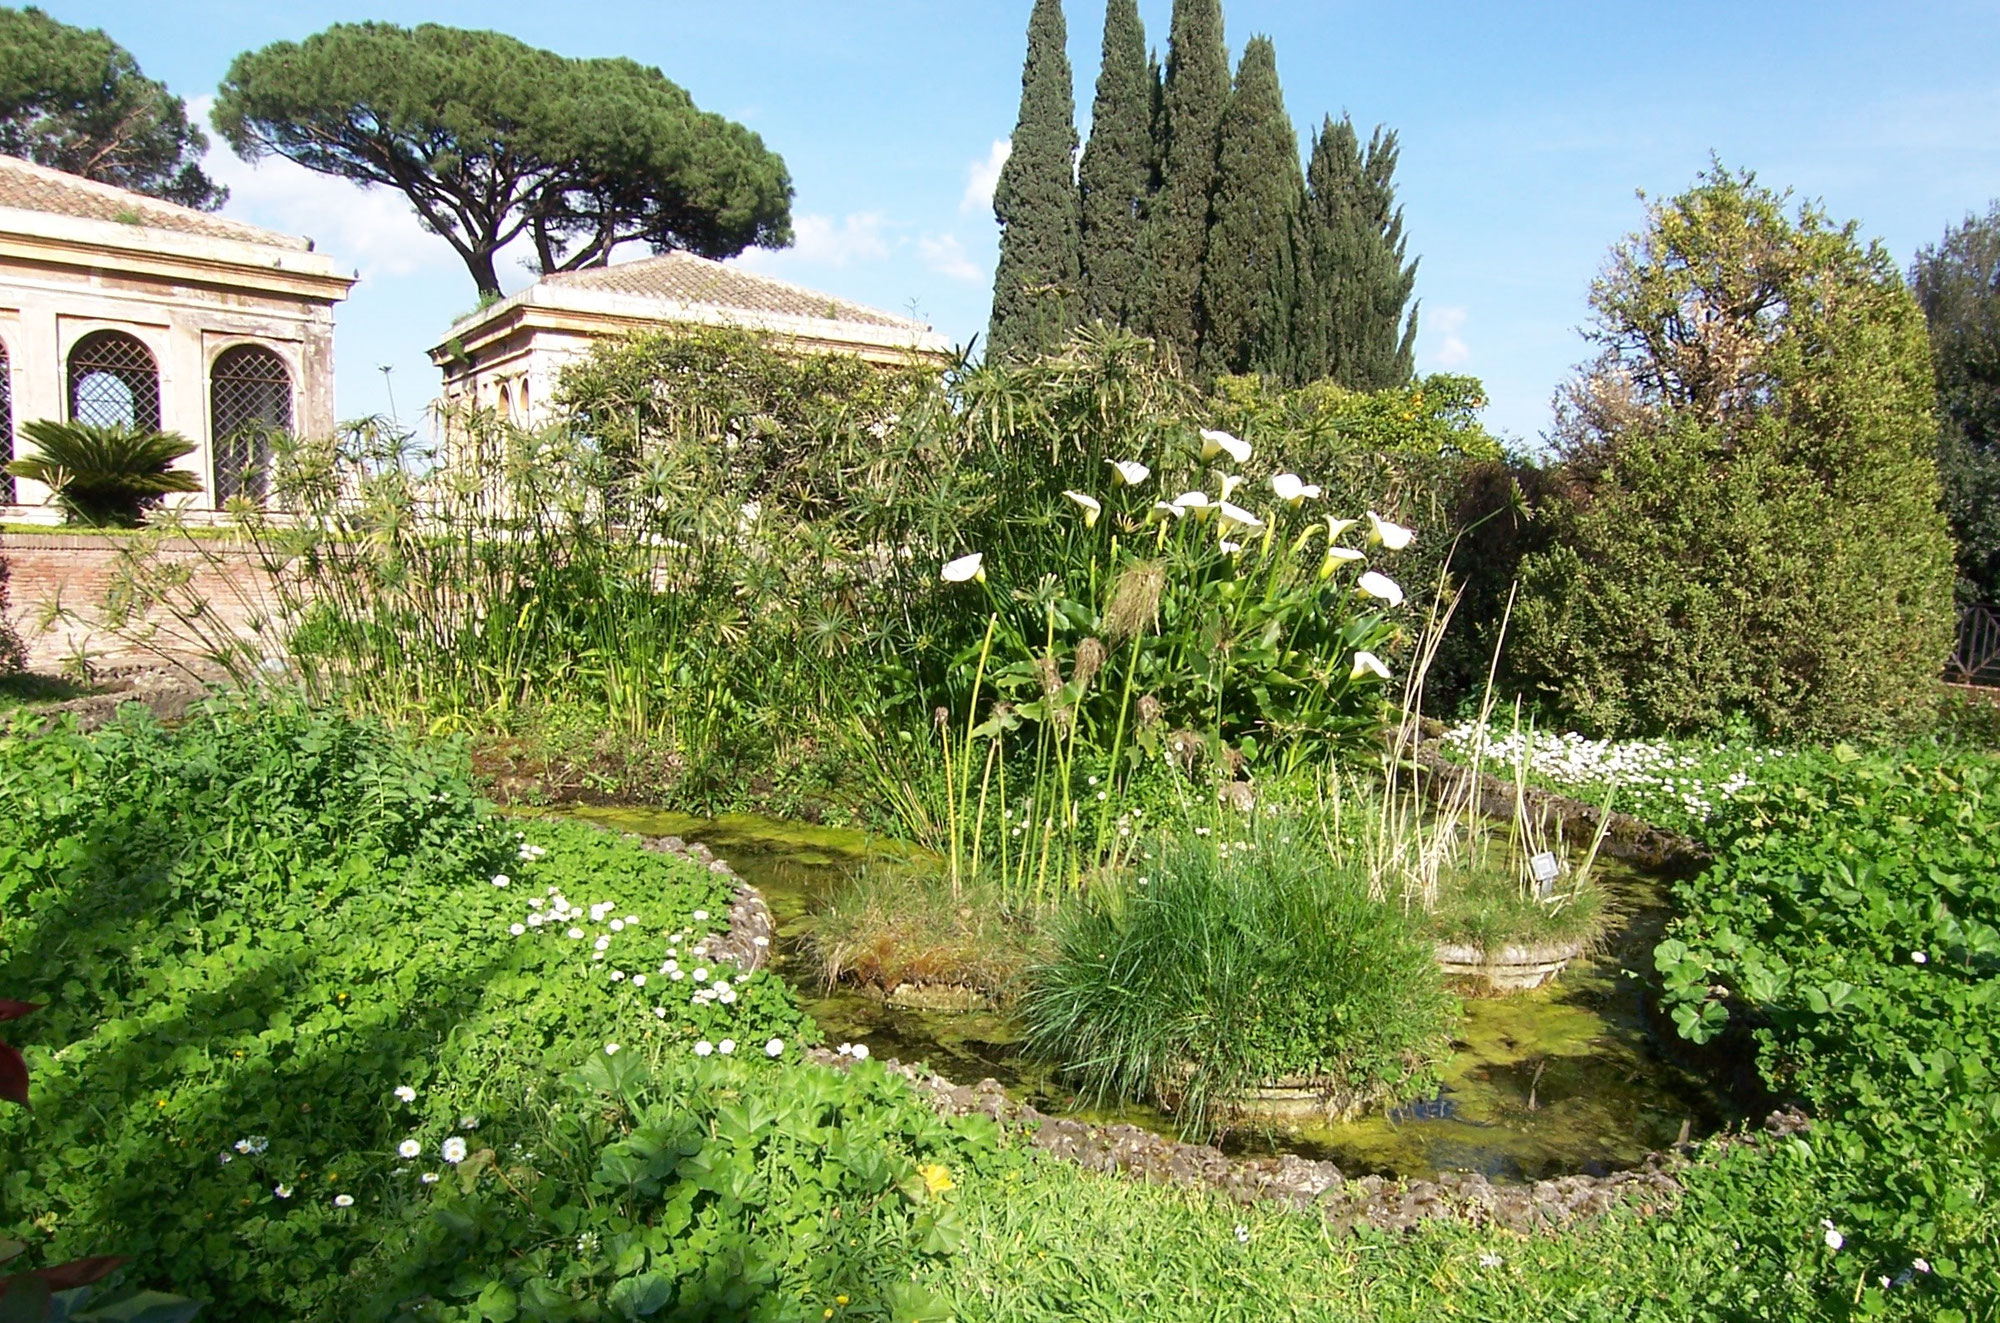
[
  {"x": 120, "y": 308},
  {"x": 508, "y": 358}
]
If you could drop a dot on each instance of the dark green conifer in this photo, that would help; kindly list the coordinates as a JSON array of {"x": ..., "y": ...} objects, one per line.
[
  {"x": 1117, "y": 173},
  {"x": 1350, "y": 324},
  {"x": 1176, "y": 234},
  {"x": 1249, "y": 281},
  {"x": 1037, "y": 285}
]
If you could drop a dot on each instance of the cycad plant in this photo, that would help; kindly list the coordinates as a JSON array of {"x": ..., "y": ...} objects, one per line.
[{"x": 105, "y": 476}]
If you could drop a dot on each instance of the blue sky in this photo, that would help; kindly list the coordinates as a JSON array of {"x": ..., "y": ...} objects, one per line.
[{"x": 1526, "y": 129}]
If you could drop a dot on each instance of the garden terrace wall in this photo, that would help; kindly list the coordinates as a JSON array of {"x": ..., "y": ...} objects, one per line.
[{"x": 77, "y": 571}]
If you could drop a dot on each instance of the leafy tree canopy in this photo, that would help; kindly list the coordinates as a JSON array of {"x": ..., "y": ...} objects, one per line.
[
  {"x": 492, "y": 139},
  {"x": 1958, "y": 284},
  {"x": 1754, "y": 530},
  {"x": 73, "y": 99}
]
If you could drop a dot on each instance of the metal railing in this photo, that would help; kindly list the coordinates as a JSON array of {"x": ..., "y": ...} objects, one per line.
[{"x": 1976, "y": 658}]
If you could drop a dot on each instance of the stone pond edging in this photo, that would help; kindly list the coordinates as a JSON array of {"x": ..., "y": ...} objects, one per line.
[
  {"x": 1379, "y": 1202},
  {"x": 1301, "y": 1183}
]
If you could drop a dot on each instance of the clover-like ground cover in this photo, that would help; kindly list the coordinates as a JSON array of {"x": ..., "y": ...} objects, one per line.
[
  {"x": 273, "y": 950},
  {"x": 293, "y": 973}
]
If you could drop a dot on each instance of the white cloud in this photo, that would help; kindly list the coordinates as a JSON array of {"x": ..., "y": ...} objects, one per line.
[
  {"x": 822, "y": 241},
  {"x": 945, "y": 255},
  {"x": 1446, "y": 348},
  {"x": 371, "y": 229},
  {"x": 983, "y": 176}
]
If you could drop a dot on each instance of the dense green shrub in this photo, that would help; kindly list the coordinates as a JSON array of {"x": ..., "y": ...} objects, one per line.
[
  {"x": 1223, "y": 964},
  {"x": 1755, "y": 526},
  {"x": 250, "y": 933},
  {"x": 733, "y": 555},
  {"x": 1852, "y": 923}
]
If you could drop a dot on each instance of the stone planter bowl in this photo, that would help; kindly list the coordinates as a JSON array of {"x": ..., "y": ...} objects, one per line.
[{"x": 1513, "y": 968}]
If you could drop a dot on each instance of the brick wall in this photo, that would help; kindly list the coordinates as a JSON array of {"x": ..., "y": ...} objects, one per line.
[{"x": 77, "y": 570}]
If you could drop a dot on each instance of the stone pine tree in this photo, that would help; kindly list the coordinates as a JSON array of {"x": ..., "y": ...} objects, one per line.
[
  {"x": 1037, "y": 285},
  {"x": 1116, "y": 177},
  {"x": 1175, "y": 239},
  {"x": 73, "y": 99},
  {"x": 1249, "y": 280},
  {"x": 1352, "y": 325}
]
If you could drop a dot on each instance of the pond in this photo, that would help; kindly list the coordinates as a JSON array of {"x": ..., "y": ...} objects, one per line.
[{"x": 1569, "y": 1078}]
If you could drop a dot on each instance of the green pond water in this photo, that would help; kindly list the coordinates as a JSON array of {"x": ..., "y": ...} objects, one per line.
[{"x": 1565, "y": 1079}]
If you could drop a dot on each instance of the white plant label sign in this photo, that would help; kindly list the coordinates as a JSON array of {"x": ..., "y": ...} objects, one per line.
[{"x": 1545, "y": 867}]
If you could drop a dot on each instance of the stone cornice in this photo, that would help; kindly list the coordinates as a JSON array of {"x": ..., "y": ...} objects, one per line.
[{"x": 47, "y": 239}]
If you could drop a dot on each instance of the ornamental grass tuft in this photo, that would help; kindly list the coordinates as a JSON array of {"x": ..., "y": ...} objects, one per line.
[{"x": 1222, "y": 964}]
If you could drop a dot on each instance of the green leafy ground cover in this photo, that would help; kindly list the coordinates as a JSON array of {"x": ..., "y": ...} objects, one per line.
[
  {"x": 1852, "y": 921},
  {"x": 251, "y": 932}
]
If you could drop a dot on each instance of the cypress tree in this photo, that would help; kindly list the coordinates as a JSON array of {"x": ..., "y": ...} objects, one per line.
[
  {"x": 1037, "y": 283},
  {"x": 1175, "y": 239},
  {"x": 1116, "y": 176},
  {"x": 1351, "y": 324},
  {"x": 1249, "y": 281}
]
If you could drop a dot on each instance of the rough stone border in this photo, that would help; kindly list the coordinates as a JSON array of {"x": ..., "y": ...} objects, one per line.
[
  {"x": 1301, "y": 1183},
  {"x": 746, "y": 943}
]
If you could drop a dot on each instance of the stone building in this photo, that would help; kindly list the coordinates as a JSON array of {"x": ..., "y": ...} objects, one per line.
[
  {"x": 509, "y": 357},
  {"x": 117, "y": 308}
]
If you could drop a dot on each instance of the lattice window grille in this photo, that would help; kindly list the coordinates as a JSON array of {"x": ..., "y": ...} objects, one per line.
[
  {"x": 113, "y": 382},
  {"x": 8, "y": 495},
  {"x": 250, "y": 400}
]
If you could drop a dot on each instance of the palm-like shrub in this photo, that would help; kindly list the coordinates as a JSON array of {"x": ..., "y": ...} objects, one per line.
[{"x": 105, "y": 475}]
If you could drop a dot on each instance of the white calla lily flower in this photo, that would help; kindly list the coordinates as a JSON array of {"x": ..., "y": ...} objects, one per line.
[
  {"x": 1230, "y": 482},
  {"x": 1090, "y": 506},
  {"x": 1163, "y": 511},
  {"x": 966, "y": 568},
  {"x": 1335, "y": 527},
  {"x": 1195, "y": 503},
  {"x": 1393, "y": 536},
  {"x": 1130, "y": 471},
  {"x": 1229, "y": 548},
  {"x": 1291, "y": 489},
  {"x": 1235, "y": 516},
  {"x": 1337, "y": 557},
  {"x": 1381, "y": 587},
  {"x": 1367, "y": 663},
  {"x": 1215, "y": 443}
]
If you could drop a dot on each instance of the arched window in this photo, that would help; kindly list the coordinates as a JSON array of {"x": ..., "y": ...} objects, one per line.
[
  {"x": 7, "y": 496},
  {"x": 249, "y": 400},
  {"x": 113, "y": 382}
]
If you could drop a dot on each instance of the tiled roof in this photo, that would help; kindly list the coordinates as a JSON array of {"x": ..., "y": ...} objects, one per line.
[
  {"x": 686, "y": 279},
  {"x": 31, "y": 187}
]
